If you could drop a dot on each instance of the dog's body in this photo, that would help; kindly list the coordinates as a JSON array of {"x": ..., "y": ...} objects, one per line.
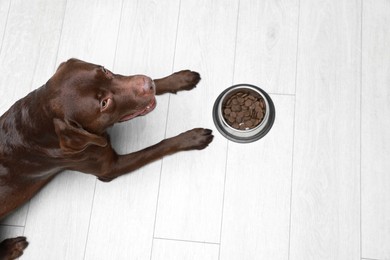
[{"x": 62, "y": 126}]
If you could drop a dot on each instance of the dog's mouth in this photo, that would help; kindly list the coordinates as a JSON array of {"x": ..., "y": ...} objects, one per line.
[{"x": 141, "y": 112}]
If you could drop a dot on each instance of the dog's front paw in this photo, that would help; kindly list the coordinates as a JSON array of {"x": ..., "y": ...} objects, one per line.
[
  {"x": 185, "y": 80},
  {"x": 195, "y": 139},
  {"x": 12, "y": 248}
]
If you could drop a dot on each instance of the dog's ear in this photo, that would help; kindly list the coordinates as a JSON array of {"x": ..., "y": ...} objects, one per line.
[{"x": 74, "y": 139}]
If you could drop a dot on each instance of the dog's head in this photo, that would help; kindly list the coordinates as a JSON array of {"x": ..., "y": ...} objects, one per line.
[{"x": 88, "y": 98}]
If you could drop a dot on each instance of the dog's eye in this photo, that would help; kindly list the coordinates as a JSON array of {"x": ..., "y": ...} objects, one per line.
[{"x": 104, "y": 104}]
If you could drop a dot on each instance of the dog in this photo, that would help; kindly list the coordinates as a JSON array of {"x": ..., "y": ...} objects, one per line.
[{"x": 62, "y": 126}]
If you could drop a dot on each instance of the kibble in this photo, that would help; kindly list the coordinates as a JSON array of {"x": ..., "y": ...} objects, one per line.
[{"x": 244, "y": 111}]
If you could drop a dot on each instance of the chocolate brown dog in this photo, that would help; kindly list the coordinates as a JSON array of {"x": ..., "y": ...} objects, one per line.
[{"x": 62, "y": 126}]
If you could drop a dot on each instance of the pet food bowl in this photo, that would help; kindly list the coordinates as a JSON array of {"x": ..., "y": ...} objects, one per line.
[{"x": 247, "y": 135}]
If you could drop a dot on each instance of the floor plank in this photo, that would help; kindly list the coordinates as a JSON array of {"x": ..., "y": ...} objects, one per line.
[
  {"x": 191, "y": 190},
  {"x": 4, "y": 10},
  {"x": 256, "y": 215},
  {"x": 95, "y": 41},
  {"x": 178, "y": 250},
  {"x": 375, "y": 129},
  {"x": 27, "y": 32},
  {"x": 30, "y": 42},
  {"x": 325, "y": 214},
  {"x": 59, "y": 216},
  {"x": 267, "y": 44},
  {"x": 17, "y": 217},
  {"x": 325, "y": 221},
  {"x": 146, "y": 45},
  {"x": 10, "y": 232}
]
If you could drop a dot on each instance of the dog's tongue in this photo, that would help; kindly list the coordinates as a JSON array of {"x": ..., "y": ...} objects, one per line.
[{"x": 143, "y": 112}]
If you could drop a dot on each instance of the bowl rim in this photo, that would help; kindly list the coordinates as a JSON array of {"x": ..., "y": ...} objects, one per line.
[{"x": 244, "y": 139}]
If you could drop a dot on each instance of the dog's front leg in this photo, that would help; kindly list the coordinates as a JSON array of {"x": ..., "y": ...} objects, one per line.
[
  {"x": 195, "y": 139},
  {"x": 182, "y": 80}
]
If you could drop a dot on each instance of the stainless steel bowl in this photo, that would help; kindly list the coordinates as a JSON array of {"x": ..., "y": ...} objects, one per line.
[{"x": 243, "y": 136}]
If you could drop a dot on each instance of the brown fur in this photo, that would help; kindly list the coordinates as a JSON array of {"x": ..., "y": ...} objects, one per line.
[{"x": 62, "y": 126}]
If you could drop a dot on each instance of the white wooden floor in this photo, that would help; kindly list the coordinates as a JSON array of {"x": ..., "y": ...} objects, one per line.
[{"x": 316, "y": 187}]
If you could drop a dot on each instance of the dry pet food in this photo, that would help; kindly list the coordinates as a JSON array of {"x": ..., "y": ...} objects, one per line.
[{"x": 244, "y": 111}]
